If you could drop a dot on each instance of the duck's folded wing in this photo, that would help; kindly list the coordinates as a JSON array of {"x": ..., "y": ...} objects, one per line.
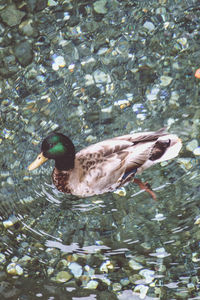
[
  {"x": 114, "y": 159},
  {"x": 143, "y": 136},
  {"x": 106, "y": 175},
  {"x": 104, "y": 149},
  {"x": 108, "y": 165},
  {"x": 120, "y": 143}
]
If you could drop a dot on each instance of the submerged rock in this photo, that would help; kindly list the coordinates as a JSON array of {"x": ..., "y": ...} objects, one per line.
[
  {"x": 76, "y": 269},
  {"x": 148, "y": 275},
  {"x": 11, "y": 15},
  {"x": 101, "y": 77},
  {"x": 135, "y": 265},
  {"x": 196, "y": 151},
  {"x": 2, "y": 259},
  {"x": 14, "y": 269},
  {"x": 63, "y": 276},
  {"x": 149, "y": 25},
  {"x": 142, "y": 290},
  {"x": 165, "y": 80},
  {"x": 23, "y": 53},
  {"x": 92, "y": 284},
  {"x": 116, "y": 286},
  {"x": 99, "y": 6},
  {"x": 10, "y": 221},
  {"x": 192, "y": 145},
  {"x": 27, "y": 28}
]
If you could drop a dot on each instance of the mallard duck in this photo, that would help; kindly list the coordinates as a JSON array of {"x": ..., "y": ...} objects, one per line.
[{"x": 105, "y": 166}]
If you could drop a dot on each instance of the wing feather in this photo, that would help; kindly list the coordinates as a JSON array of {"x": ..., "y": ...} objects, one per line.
[{"x": 105, "y": 164}]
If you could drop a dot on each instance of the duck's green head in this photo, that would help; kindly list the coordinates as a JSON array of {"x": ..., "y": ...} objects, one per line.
[{"x": 59, "y": 147}]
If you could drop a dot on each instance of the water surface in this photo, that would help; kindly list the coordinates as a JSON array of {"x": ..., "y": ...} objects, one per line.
[{"x": 93, "y": 70}]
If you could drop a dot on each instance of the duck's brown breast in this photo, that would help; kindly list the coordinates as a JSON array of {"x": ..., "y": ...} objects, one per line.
[{"x": 60, "y": 179}]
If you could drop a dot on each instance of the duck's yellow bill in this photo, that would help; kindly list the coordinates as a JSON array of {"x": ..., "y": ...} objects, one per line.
[{"x": 37, "y": 162}]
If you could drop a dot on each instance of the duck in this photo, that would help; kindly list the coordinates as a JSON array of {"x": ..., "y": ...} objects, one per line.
[{"x": 107, "y": 165}]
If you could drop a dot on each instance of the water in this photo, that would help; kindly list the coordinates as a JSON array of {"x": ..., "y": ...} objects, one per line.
[{"x": 93, "y": 76}]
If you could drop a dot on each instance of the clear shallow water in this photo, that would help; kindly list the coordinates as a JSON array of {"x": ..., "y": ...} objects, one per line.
[{"x": 115, "y": 73}]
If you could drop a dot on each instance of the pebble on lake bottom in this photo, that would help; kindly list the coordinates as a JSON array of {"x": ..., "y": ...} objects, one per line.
[
  {"x": 76, "y": 269},
  {"x": 14, "y": 269},
  {"x": 134, "y": 265},
  {"x": 121, "y": 192},
  {"x": 92, "y": 284},
  {"x": 63, "y": 276},
  {"x": 141, "y": 290}
]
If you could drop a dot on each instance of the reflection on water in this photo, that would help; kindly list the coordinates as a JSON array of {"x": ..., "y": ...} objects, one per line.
[
  {"x": 112, "y": 241},
  {"x": 126, "y": 242},
  {"x": 75, "y": 247}
]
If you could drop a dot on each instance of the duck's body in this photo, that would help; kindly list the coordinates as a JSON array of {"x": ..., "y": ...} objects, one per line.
[{"x": 110, "y": 164}]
